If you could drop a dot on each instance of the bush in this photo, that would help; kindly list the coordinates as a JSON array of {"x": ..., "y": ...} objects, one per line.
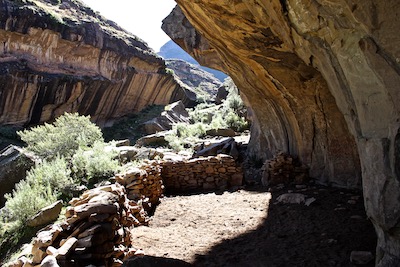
[
  {"x": 235, "y": 122},
  {"x": 97, "y": 163},
  {"x": 42, "y": 187},
  {"x": 26, "y": 200},
  {"x": 63, "y": 137},
  {"x": 185, "y": 135}
]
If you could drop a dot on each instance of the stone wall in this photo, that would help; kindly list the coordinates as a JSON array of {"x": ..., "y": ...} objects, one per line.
[
  {"x": 209, "y": 173},
  {"x": 143, "y": 183},
  {"x": 96, "y": 231}
]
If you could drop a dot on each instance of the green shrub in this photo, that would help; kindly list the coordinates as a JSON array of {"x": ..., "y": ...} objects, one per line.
[
  {"x": 27, "y": 199},
  {"x": 63, "y": 137},
  {"x": 55, "y": 174},
  {"x": 184, "y": 135},
  {"x": 42, "y": 187},
  {"x": 94, "y": 164},
  {"x": 235, "y": 122}
]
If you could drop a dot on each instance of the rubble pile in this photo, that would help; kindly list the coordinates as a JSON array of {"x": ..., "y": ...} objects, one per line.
[
  {"x": 205, "y": 173},
  {"x": 284, "y": 169},
  {"x": 143, "y": 183},
  {"x": 96, "y": 231}
]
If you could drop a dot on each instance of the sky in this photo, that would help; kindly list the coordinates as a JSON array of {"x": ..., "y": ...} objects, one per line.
[{"x": 143, "y": 18}]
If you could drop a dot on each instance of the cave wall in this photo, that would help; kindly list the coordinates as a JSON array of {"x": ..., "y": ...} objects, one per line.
[
  {"x": 322, "y": 78},
  {"x": 293, "y": 109},
  {"x": 63, "y": 57}
]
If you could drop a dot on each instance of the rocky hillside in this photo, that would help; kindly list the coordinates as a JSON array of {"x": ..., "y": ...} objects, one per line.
[
  {"x": 59, "y": 56},
  {"x": 171, "y": 50},
  {"x": 203, "y": 83},
  {"x": 322, "y": 79}
]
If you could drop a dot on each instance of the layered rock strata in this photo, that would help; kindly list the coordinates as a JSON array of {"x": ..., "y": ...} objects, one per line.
[
  {"x": 322, "y": 79},
  {"x": 62, "y": 57}
]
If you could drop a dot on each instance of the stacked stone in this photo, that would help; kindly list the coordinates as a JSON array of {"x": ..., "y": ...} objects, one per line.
[
  {"x": 143, "y": 183},
  {"x": 209, "y": 173},
  {"x": 96, "y": 231},
  {"x": 284, "y": 169}
]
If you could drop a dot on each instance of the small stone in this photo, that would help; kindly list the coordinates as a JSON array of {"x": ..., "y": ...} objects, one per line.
[
  {"x": 209, "y": 170},
  {"x": 309, "y": 201},
  {"x": 18, "y": 262},
  {"x": 38, "y": 254},
  {"x": 67, "y": 247},
  {"x": 49, "y": 261},
  {"x": 139, "y": 252},
  {"x": 361, "y": 257},
  {"x": 51, "y": 250},
  {"x": 352, "y": 202},
  {"x": 291, "y": 198}
]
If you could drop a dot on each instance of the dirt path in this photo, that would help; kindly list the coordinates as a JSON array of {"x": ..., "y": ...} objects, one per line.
[{"x": 233, "y": 229}]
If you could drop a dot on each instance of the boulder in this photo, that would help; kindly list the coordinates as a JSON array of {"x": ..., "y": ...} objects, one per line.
[
  {"x": 14, "y": 162},
  {"x": 221, "y": 94},
  {"x": 226, "y": 132},
  {"x": 214, "y": 147},
  {"x": 173, "y": 113},
  {"x": 361, "y": 257},
  {"x": 157, "y": 139},
  {"x": 46, "y": 215}
]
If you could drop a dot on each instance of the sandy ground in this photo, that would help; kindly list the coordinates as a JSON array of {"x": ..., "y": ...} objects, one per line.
[{"x": 249, "y": 228}]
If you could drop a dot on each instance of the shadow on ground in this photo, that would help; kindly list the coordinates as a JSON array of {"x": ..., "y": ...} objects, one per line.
[
  {"x": 323, "y": 234},
  {"x": 150, "y": 261}
]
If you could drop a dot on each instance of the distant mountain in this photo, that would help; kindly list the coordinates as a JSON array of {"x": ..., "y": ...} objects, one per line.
[{"x": 171, "y": 50}]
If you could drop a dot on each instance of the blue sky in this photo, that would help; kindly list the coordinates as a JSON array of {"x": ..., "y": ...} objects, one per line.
[{"x": 140, "y": 17}]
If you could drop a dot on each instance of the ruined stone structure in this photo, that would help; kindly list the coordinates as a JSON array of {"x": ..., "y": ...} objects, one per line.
[
  {"x": 201, "y": 174},
  {"x": 322, "y": 78},
  {"x": 58, "y": 57}
]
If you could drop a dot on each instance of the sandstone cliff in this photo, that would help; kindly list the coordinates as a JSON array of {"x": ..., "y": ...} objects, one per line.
[
  {"x": 62, "y": 57},
  {"x": 322, "y": 78}
]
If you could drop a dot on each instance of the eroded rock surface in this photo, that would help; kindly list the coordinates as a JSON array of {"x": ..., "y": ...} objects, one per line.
[
  {"x": 322, "y": 79},
  {"x": 63, "y": 57}
]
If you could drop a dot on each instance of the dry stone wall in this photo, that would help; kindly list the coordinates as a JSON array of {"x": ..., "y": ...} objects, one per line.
[
  {"x": 96, "y": 231},
  {"x": 97, "y": 225},
  {"x": 208, "y": 173},
  {"x": 143, "y": 183}
]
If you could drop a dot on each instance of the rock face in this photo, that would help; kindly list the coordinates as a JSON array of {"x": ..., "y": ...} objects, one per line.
[
  {"x": 203, "y": 83},
  {"x": 171, "y": 50},
  {"x": 322, "y": 80},
  {"x": 63, "y": 57},
  {"x": 14, "y": 163},
  {"x": 173, "y": 113}
]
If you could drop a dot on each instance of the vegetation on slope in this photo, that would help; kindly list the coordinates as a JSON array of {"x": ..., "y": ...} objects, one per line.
[
  {"x": 231, "y": 114},
  {"x": 71, "y": 152}
]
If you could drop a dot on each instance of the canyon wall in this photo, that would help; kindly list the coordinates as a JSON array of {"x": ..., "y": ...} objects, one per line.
[
  {"x": 322, "y": 80},
  {"x": 63, "y": 57}
]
